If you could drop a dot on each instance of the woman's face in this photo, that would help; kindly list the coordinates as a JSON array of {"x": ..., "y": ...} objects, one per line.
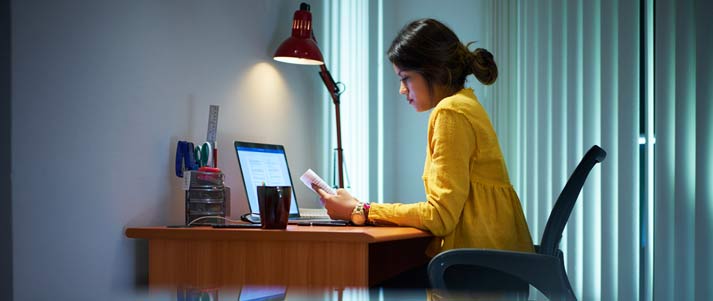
[{"x": 415, "y": 87}]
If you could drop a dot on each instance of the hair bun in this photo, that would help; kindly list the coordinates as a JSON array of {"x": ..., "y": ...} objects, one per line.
[{"x": 483, "y": 66}]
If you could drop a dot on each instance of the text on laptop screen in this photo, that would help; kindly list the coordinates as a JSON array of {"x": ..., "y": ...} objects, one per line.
[{"x": 264, "y": 165}]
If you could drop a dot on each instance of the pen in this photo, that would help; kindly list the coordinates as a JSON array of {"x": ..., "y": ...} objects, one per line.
[{"x": 215, "y": 156}]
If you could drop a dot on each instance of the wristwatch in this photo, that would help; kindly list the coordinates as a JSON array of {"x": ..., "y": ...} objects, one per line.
[{"x": 359, "y": 213}]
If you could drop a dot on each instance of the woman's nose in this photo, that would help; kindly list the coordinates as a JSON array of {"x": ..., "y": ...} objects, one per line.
[{"x": 402, "y": 89}]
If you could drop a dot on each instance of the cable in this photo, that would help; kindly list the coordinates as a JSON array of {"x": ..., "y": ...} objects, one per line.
[
  {"x": 213, "y": 216},
  {"x": 244, "y": 216}
]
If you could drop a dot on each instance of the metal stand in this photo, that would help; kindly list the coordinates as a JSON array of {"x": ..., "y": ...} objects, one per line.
[{"x": 334, "y": 93}]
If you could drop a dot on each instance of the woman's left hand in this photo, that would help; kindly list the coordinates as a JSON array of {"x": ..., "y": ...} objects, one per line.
[{"x": 339, "y": 206}]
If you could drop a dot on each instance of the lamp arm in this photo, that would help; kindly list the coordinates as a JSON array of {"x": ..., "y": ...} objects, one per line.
[
  {"x": 329, "y": 83},
  {"x": 334, "y": 93}
]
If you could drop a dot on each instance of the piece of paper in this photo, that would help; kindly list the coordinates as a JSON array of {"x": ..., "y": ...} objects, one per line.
[{"x": 310, "y": 177}]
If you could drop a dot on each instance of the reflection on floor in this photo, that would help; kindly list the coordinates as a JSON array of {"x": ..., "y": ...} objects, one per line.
[{"x": 270, "y": 293}]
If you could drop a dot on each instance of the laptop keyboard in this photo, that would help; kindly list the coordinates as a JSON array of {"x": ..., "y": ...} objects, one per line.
[
  {"x": 314, "y": 213},
  {"x": 318, "y": 222}
]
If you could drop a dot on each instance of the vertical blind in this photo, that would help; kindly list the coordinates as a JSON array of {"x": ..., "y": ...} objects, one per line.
[
  {"x": 346, "y": 55},
  {"x": 573, "y": 74},
  {"x": 683, "y": 208},
  {"x": 570, "y": 79}
]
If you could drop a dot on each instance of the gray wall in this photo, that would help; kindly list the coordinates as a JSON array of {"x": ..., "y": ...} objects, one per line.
[
  {"x": 101, "y": 92},
  {"x": 404, "y": 128},
  {"x": 5, "y": 192}
]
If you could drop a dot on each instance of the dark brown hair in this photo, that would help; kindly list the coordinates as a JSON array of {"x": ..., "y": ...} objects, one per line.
[{"x": 433, "y": 50}]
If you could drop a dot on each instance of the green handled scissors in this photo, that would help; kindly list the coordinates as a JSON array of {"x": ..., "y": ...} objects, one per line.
[{"x": 203, "y": 154}]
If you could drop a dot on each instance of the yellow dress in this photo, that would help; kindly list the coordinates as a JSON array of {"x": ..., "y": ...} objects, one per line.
[{"x": 470, "y": 202}]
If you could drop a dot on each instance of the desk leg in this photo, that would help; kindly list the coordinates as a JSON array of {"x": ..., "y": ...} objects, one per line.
[{"x": 389, "y": 259}]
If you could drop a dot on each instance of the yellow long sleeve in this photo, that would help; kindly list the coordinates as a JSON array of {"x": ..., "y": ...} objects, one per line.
[
  {"x": 469, "y": 199},
  {"x": 446, "y": 179}
]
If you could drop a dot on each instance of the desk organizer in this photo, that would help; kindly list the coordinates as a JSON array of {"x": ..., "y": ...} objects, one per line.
[{"x": 206, "y": 195}]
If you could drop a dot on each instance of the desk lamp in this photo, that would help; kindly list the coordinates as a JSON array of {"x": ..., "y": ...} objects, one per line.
[{"x": 301, "y": 48}]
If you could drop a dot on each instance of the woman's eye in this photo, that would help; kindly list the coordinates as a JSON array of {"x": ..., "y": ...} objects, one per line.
[{"x": 404, "y": 79}]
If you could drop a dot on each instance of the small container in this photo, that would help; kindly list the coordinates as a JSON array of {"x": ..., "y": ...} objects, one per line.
[
  {"x": 206, "y": 195},
  {"x": 205, "y": 179},
  {"x": 199, "y": 208}
]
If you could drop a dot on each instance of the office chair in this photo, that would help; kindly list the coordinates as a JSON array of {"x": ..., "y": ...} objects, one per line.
[{"x": 513, "y": 272}]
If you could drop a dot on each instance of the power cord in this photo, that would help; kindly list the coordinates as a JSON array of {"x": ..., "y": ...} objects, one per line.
[
  {"x": 213, "y": 216},
  {"x": 253, "y": 218}
]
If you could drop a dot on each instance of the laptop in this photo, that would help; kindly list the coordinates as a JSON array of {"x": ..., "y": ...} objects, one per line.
[{"x": 267, "y": 163}]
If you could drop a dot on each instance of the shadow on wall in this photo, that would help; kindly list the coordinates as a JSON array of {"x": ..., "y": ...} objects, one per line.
[
  {"x": 170, "y": 211},
  {"x": 141, "y": 264}
]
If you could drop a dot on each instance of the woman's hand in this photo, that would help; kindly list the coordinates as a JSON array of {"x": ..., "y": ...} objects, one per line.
[{"x": 339, "y": 206}]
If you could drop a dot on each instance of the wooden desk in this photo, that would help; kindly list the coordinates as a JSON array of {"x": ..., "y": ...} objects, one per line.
[{"x": 299, "y": 256}]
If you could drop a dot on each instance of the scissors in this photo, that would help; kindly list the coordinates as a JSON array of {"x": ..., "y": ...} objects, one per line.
[
  {"x": 203, "y": 154},
  {"x": 185, "y": 159}
]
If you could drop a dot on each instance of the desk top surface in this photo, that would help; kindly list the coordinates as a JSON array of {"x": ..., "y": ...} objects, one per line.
[{"x": 293, "y": 232}]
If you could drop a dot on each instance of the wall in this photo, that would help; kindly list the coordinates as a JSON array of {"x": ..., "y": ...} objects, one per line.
[
  {"x": 102, "y": 91},
  {"x": 404, "y": 128},
  {"x": 5, "y": 189}
]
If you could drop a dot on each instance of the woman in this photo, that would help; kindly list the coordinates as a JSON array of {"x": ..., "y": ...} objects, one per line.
[{"x": 470, "y": 202}]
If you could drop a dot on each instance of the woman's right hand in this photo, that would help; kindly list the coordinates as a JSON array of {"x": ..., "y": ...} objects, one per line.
[{"x": 339, "y": 206}]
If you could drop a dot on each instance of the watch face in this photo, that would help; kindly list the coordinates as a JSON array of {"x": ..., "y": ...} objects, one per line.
[{"x": 358, "y": 219}]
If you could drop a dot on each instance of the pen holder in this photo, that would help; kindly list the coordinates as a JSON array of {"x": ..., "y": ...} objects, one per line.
[{"x": 206, "y": 195}]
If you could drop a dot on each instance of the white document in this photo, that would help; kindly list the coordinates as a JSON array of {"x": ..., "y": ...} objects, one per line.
[{"x": 310, "y": 177}]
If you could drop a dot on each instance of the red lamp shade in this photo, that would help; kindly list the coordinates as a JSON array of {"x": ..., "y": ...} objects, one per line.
[{"x": 300, "y": 48}]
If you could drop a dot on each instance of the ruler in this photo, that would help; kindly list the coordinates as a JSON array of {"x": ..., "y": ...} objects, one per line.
[
  {"x": 212, "y": 124},
  {"x": 212, "y": 130}
]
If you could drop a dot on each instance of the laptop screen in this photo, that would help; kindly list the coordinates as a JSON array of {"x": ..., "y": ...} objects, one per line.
[{"x": 264, "y": 163}]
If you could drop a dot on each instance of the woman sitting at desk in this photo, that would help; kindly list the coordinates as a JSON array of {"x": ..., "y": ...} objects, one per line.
[{"x": 470, "y": 201}]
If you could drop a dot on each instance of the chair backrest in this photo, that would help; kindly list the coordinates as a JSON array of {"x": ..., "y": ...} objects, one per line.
[{"x": 565, "y": 202}]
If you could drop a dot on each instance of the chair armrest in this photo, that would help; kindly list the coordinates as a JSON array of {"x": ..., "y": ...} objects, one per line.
[{"x": 544, "y": 272}]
